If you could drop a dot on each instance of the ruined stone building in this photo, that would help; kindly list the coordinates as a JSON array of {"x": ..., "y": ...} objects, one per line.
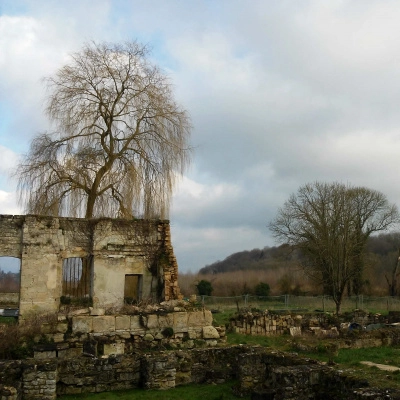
[{"x": 102, "y": 261}]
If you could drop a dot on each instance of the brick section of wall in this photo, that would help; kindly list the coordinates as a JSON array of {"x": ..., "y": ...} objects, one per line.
[{"x": 40, "y": 381}]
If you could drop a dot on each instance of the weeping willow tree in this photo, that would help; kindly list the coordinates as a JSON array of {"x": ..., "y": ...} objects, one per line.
[{"x": 119, "y": 138}]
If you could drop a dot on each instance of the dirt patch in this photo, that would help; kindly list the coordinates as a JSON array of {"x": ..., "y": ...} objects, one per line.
[{"x": 383, "y": 367}]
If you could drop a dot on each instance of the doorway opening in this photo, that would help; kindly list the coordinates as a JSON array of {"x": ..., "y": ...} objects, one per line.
[{"x": 133, "y": 288}]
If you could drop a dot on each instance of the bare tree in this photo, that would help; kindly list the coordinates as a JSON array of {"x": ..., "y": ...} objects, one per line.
[
  {"x": 330, "y": 224},
  {"x": 120, "y": 138}
]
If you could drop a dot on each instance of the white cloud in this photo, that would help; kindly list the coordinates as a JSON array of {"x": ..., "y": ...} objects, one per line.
[
  {"x": 8, "y": 159},
  {"x": 281, "y": 94},
  {"x": 8, "y": 203}
]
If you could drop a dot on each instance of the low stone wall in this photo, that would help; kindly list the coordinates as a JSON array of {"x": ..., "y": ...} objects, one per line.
[
  {"x": 269, "y": 324},
  {"x": 102, "y": 335},
  {"x": 264, "y": 324},
  {"x": 28, "y": 379},
  {"x": 260, "y": 372}
]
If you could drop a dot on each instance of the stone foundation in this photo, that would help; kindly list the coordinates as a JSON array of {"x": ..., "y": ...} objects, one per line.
[
  {"x": 104, "y": 335},
  {"x": 263, "y": 373}
]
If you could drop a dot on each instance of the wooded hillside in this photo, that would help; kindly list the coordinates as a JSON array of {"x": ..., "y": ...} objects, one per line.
[{"x": 280, "y": 267}]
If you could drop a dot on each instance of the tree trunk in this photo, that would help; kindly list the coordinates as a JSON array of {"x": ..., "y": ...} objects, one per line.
[
  {"x": 338, "y": 301},
  {"x": 392, "y": 283}
]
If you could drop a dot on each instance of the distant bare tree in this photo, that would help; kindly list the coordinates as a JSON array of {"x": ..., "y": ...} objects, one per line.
[
  {"x": 330, "y": 224},
  {"x": 119, "y": 140}
]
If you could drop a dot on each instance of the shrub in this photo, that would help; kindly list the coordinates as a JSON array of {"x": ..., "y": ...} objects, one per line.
[
  {"x": 262, "y": 289},
  {"x": 204, "y": 288},
  {"x": 17, "y": 340},
  {"x": 168, "y": 332}
]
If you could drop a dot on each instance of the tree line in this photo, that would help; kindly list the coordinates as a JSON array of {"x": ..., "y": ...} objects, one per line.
[{"x": 9, "y": 282}]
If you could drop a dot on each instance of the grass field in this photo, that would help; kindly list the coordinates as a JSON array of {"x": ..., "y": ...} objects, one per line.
[{"x": 189, "y": 392}]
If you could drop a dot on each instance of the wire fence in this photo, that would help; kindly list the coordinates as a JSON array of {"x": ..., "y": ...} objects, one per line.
[{"x": 301, "y": 303}]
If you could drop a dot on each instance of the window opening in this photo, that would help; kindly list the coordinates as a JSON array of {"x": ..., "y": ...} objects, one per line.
[{"x": 77, "y": 278}]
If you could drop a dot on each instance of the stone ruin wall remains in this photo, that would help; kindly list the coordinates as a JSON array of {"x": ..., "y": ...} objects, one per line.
[
  {"x": 118, "y": 248},
  {"x": 258, "y": 372}
]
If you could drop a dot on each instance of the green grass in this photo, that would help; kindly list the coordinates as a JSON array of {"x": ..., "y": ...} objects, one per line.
[
  {"x": 221, "y": 318},
  {"x": 8, "y": 320},
  {"x": 379, "y": 355},
  {"x": 189, "y": 392}
]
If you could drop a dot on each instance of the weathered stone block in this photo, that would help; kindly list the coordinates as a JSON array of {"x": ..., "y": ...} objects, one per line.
[
  {"x": 96, "y": 311},
  {"x": 152, "y": 321},
  {"x": 209, "y": 332},
  {"x": 180, "y": 322},
  {"x": 124, "y": 334},
  {"x": 148, "y": 337},
  {"x": 122, "y": 322},
  {"x": 58, "y": 337},
  {"x": 62, "y": 327},
  {"x": 82, "y": 324},
  {"x": 295, "y": 331},
  {"x": 165, "y": 321},
  {"x": 194, "y": 333},
  {"x": 114, "y": 348},
  {"x": 135, "y": 322},
  {"x": 104, "y": 324},
  {"x": 42, "y": 355},
  {"x": 200, "y": 318}
]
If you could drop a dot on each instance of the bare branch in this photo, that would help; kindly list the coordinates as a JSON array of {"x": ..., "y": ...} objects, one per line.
[{"x": 119, "y": 138}]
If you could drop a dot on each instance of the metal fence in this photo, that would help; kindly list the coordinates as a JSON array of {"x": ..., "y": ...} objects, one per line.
[{"x": 301, "y": 303}]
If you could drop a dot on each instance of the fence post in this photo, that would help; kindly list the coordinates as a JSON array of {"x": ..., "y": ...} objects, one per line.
[
  {"x": 202, "y": 300},
  {"x": 323, "y": 303}
]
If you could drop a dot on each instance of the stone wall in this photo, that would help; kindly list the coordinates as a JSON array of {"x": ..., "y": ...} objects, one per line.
[
  {"x": 118, "y": 248},
  {"x": 265, "y": 324},
  {"x": 263, "y": 373},
  {"x": 102, "y": 335}
]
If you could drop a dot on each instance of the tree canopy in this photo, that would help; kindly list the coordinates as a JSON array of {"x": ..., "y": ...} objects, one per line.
[
  {"x": 119, "y": 138},
  {"x": 330, "y": 223}
]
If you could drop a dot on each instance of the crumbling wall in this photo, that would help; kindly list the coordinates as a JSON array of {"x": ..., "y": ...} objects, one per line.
[
  {"x": 118, "y": 247},
  {"x": 262, "y": 373}
]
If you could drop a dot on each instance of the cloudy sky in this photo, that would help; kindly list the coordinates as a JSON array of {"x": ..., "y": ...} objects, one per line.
[{"x": 281, "y": 93}]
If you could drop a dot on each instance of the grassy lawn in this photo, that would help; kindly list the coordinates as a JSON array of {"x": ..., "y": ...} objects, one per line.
[
  {"x": 189, "y": 392},
  {"x": 8, "y": 320}
]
